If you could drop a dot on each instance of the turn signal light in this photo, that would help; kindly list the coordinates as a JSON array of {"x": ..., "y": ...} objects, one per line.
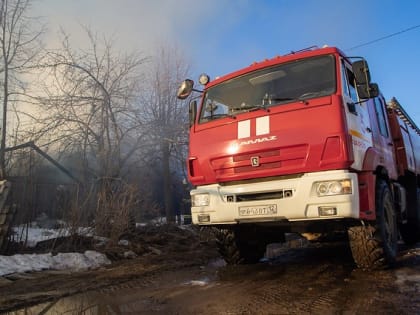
[{"x": 327, "y": 211}]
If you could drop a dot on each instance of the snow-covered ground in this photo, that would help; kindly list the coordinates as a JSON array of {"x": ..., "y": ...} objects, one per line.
[
  {"x": 37, "y": 262},
  {"x": 32, "y": 235},
  {"x": 61, "y": 261}
]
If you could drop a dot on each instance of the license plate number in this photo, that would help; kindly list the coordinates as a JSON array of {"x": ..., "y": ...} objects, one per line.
[{"x": 258, "y": 210}]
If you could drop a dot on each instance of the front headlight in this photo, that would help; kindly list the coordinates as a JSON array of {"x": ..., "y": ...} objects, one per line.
[
  {"x": 199, "y": 200},
  {"x": 332, "y": 187}
]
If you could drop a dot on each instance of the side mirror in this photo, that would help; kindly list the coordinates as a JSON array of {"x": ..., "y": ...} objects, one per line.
[
  {"x": 361, "y": 72},
  {"x": 192, "y": 112},
  {"x": 185, "y": 89},
  {"x": 369, "y": 90}
]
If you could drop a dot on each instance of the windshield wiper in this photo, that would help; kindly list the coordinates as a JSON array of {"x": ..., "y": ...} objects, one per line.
[
  {"x": 251, "y": 108},
  {"x": 302, "y": 98},
  {"x": 269, "y": 101},
  {"x": 218, "y": 116},
  {"x": 259, "y": 106},
  {"x": 296, "y": 99}
]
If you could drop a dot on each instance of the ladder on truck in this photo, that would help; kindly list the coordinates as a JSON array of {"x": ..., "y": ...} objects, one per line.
[{"x": 399, "y": 110}]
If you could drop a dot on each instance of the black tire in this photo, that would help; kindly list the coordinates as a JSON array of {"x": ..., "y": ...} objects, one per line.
[
  {"x": 410, "y": 231},
  {"x": 376, "y": 246},
  {"x": 227, "y": 246},
  {"x": 239, "y": 246}
]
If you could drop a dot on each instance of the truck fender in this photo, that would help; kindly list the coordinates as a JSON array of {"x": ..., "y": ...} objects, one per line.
[
  {"x": 372, "y": 160},
  {"x": 367, "y": 183},
  {"x": 367, "y": 186}
]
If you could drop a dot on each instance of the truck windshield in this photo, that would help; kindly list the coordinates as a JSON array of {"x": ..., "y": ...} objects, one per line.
[{"x": 290, "y": 82}]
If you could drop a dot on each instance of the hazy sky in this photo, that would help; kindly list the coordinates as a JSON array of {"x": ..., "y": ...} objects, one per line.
[{"x": 220, "y": 36}]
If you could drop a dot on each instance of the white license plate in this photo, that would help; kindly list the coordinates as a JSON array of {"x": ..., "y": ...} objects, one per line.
[{"x": 258, "y": 210}]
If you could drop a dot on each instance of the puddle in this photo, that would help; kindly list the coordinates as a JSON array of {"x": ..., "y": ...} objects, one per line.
[
  {"x": 408, "y": 278},
  {"x": 78, "y": 304},
  {"x": 95, "y": 304},
  {"x": 201, "y": 283},
  {"x": 217, "y": 263},
  {"x": 134, "y": 297}
]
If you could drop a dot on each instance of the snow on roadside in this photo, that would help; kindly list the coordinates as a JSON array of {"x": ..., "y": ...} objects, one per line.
[
  {"x": 33, "y": 234},
  {"x": 36, "y": 234},
  {"x": 62, "y": 261}
]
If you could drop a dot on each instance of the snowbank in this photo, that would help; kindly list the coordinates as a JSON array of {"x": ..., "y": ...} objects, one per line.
[
  {"x": 32, "y": 235},
  {"x": 62, "y": 261}
]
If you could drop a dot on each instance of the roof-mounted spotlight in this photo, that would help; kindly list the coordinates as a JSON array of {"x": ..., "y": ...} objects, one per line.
[{"x": 204, "y": 79}]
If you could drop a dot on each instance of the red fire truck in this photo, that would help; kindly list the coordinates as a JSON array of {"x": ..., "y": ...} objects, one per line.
[{"x": 303, "y": 143}]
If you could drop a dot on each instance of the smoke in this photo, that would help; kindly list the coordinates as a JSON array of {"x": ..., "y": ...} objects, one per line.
[{"x": 134, "y": 24}]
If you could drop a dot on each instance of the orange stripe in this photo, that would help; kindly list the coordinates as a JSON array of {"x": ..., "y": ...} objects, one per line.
[{"x": 357, "y": 134}]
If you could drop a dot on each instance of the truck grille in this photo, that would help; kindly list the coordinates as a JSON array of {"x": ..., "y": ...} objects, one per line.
[{"x": 279, "y": 158}]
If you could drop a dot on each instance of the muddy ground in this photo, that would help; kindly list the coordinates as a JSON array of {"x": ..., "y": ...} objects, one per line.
[{"x": 179, "y": 272}]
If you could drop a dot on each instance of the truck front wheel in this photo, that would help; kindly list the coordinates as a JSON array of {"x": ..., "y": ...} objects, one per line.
[
  {"x": 376, "y": 246},
  {"x": 240, "y": 245}
]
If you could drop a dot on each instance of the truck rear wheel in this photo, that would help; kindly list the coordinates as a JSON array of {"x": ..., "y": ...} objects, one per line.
[
  {"x": 410, "y": 231},
  {"x": 240, "y": 246},
  {"x": 376, "y": 246}
]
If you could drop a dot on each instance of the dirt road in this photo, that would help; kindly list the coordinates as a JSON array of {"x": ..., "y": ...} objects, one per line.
[{"x": 313, "y": 279}]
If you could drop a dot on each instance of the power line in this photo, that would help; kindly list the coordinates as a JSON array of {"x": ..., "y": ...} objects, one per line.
[{"x": 385, "y": 37}]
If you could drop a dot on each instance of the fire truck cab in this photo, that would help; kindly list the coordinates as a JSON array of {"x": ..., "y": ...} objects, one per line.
[{"x": 303, "y": 143}]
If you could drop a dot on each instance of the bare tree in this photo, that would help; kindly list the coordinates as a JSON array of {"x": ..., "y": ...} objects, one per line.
[
  {"x": 90, "y": 105},
  {"x": 167, "y": 118},
  {"x": 89, "y": 113},
  {"x": 113, "y": 115},
  {"x": 19, "y": 46}
]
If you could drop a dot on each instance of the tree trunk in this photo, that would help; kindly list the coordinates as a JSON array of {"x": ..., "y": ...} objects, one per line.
[
  {"x": 3, "y": 127},
  {"x": 167, "y": 183}
]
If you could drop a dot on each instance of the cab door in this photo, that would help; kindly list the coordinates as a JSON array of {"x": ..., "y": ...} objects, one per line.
[{"x": 357, "y": 114}]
